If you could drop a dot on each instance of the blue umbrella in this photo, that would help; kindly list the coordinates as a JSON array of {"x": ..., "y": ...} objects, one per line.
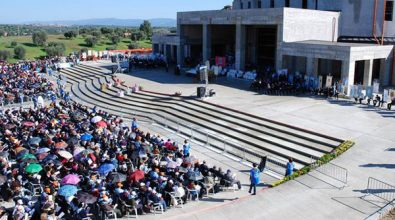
[
  {"x": 86, "y": 137},
  {"x": 106, "y": 168},
  {"x": 50, "y": 157},
  {"x": 67, "y": 190},
  {"x": 35, "y": 141}
]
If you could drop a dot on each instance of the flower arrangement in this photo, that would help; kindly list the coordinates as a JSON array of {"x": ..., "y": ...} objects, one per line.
[{"x": 343, "y": 147}]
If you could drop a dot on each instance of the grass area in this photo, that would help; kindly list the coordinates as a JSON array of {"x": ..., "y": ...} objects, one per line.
[{"x": 76, "y": 44}]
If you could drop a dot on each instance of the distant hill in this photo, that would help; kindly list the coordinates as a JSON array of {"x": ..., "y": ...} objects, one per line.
[{"x": 156, "y": 22}]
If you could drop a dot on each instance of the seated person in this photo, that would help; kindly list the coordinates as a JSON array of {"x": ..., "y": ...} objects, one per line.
[{"x": 230, "y": 179}]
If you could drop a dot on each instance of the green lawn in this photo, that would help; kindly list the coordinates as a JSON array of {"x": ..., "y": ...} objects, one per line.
[{"x": 75, "y": 44}]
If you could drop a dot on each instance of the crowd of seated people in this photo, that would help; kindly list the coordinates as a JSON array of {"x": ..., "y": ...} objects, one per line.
[
  {"x": 21, "y": 80},
  {"x": 67, "y": 161}
]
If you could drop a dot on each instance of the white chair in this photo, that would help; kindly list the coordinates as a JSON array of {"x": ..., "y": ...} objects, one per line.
[
  {"x": 190, "y": 195},
  {"x": 129, "y": 211},
  {"x": 177, "y": 200},
  {"x": 156, "y": 207},
  {"x": 111, "y": 214}
]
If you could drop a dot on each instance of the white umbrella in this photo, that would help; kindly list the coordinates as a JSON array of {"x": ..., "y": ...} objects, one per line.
[
  {"x": 96, "y": 119},
  {"x": 65, "y": 154},
  {"x": 43, "y": 150}
]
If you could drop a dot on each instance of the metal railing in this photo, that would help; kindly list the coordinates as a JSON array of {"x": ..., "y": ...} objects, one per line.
[
  {"x": 221, "y": 144},
  {"x": 383, "y": 191},
  {"x": 380, "y": 189},
  {"x": 331, "y": 170}
]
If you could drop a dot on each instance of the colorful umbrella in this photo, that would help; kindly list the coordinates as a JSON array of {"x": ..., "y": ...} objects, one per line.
[
  {"x": 117, "y": 177},
  {"x": 33, "y": 168},
  {"x": 137, "y": 175},
  {"x": 86, "y": 197},
  {"x": 34, "y": 141},
  {"x": 9, "y": 126},
  {"x": 86, "y": 137},
  {"x": 101, "y": 124},
  {"x": 172, "y": 164},
  {"x": 96, "y": 119},
  {"x": 3, "y": 179},
  {"x": 42, "y": 156},
  {"x": 65, "y": 154},
  {"x": 70, "y": 179},
  {"x": 61, "y": 145},
  {"x": 77, "y": 151},
  {"x": 106, "y": 168},
  {"x": 64, "y": 116},
  {"x": 28, "y": 124},
  {"x": 27, "y": 156},
  {"x": 43, "y": 150},
  {"x": 67, "y": 190}
]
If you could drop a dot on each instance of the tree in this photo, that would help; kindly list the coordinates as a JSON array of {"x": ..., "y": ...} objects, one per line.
[
  {"x": 96, "y": 34},
  {"x": 91, "y": 41},
  {"x": 20, "y": 52},
  {"x": 55, "y": 49},
  {"x": 106, "y": 30},
  {"x": 138, "y": 36},
  {"x": 39, "y": 38},
  {"x": 14, "y": 43},
  {"x": 70, "y": 34},
  {"x": 134, "y": 45},
  {"x": 2, "y": 33},
  {"x": 146, "y": 28},
  {"x": 115, "y": 39},
  {"x": 4, "y": 54}
]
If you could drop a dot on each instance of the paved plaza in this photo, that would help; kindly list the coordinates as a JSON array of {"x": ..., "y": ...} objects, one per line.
[{"x": 312, "y": 196}]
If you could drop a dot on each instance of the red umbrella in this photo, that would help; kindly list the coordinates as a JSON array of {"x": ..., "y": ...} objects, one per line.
[
  {"x": 101, "y": 124},
  {"x": 42, "y": 156},
  {"x": 61, "y": 144},
  {"x": 28, "y": 124},
  {"x": 137, "y": 175}
]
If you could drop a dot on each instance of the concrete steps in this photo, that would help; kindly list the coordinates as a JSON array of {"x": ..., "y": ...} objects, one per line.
[{"x": 248, "y": 134}]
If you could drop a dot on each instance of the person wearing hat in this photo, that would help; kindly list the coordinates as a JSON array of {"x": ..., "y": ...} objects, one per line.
[{"x": 3, "y": 213}]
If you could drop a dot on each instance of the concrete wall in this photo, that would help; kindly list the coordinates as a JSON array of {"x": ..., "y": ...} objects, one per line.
[
  {"x": 300, "y": 25},
  {"x": 356, "y": 17}
]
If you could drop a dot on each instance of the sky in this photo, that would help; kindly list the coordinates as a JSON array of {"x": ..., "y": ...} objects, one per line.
[{"x": 19, "y": 11}]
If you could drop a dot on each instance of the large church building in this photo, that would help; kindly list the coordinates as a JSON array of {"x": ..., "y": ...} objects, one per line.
[{"x": 352, "y": 40}]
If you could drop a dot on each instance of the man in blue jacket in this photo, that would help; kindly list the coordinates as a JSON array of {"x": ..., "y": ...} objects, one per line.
[{"x": 254, "y": 178}]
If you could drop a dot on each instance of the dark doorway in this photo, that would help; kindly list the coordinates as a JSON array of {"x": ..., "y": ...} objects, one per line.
[{"x": 359, "y": 70}]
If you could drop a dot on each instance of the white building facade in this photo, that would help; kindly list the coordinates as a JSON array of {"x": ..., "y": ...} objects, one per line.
[{"x": 352, "y": 40}]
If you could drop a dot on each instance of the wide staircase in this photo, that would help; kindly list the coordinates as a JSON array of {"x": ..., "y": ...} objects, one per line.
[{"x": 241, "y": 135}]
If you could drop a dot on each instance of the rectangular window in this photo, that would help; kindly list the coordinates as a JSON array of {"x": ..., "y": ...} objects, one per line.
[
  {"x": 271, "y": 3},
  {"x": 287, "y": 3},
  {"x": 241, "y": 5},
  {"x": 304, "y": 4},
  {"x": 389, "y": 10},
  {"x": 259, "y": 4},
  {"x": 249, "y": 4}
]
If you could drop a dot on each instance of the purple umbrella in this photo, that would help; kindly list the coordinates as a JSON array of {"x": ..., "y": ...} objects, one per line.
[{"x": 70, "y": 179}]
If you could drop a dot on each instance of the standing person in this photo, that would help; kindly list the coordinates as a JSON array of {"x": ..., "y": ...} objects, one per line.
[
  {"x": 290, "y": 167},
  {"x": 186, "y": 148},
  {"x": 134, "y": 124},
  {"x": 254, "y": 178}
]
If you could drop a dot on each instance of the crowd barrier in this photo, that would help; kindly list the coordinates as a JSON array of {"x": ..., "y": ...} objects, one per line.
[{"x": 333, "y": 171}]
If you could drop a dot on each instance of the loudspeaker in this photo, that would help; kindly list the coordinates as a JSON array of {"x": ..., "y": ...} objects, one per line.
[{"x": 201, "y": 92}]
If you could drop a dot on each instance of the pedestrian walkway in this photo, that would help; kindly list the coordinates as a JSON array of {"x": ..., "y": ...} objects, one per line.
[{"x": 306, "y": 197}]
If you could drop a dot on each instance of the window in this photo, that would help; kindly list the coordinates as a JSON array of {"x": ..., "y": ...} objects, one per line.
[
  {"x": 389, "y": 10},
  {"x": 271, "y": 3},
  {"x": 287, "y": 3},
  {"x": 241, "y": 5},
  {"x": 304, "y": 4},
  {"x": 259, "y": 4},
  {"x": 249, "y": 4}
]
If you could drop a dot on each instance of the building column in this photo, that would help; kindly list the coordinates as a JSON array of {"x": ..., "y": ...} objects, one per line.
[
  {"x": 312, "y": 66},
  {"x": 368, "y": 73},
  {"x": 180, "y": 54},
  {"x": 165, "y": 51},
  {"x": 240, "y": 46},
  {"x": 206, "y": 42},
  {"x": 348, "y": 73}
]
